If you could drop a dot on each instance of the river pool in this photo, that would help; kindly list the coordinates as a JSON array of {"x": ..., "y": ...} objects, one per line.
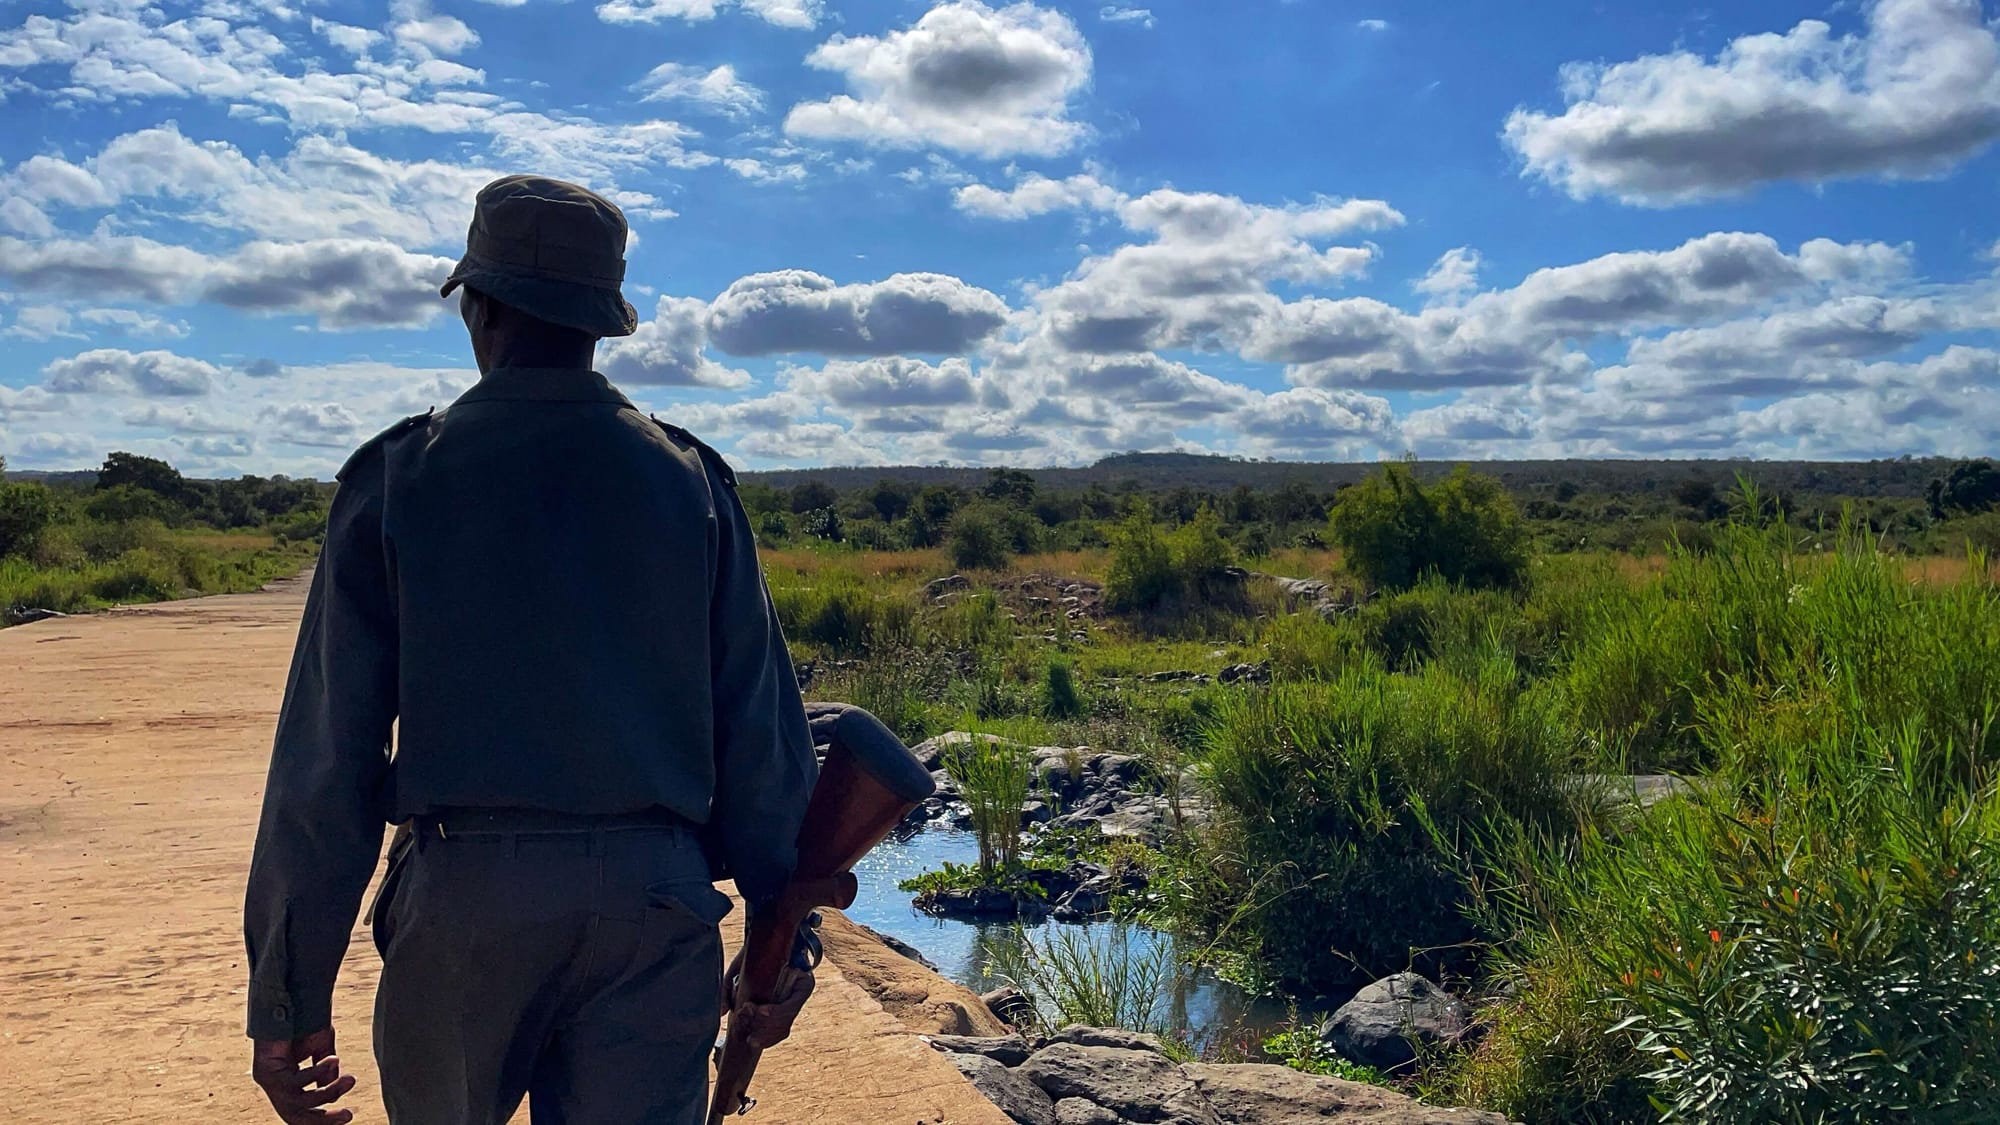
[{"x": 1206, "y": 1007}]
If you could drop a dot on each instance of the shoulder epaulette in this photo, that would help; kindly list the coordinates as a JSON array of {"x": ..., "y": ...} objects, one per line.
[
  {"x": 404, "y": 426},
  {"x": 707, "y": 451}
]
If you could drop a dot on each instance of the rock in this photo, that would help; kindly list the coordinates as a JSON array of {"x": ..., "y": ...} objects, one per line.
[
  {"x": 1261, "y": 1094},
  {"x": 803, "y": 672},
  {"x": 1009, "y": 1089},
  {"x": 1123, "y": 768},
  {"x": 1085, "y": 1036},
  {"x": 1246, "y": 673},
  {"x": 898, "y": 946},
  {"x": 918, "y": 998},
  {"x": 1137, "y": 1085},
  {"x": 931, "y": 751},
  {"x": 1639, "y": 790},
  {"x": 1078, "y": 1111},
  {"x": 982, "y": 902},
  {"x": 1007, "y": 1050},
  {"x": 947, "y": 785},
  {"x": 1172, "y": 676},
  {"x": 1009, "y": 1006},
  {"x": 939, "y": 586},
  {"x": 1378, "y": 1026},
  {"x": 1036, "y": 812}
]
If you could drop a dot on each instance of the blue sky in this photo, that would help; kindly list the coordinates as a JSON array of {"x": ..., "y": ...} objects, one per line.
[{"x": 903, "y": 231}]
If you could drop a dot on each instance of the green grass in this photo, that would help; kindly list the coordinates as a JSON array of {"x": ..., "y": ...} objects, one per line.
[{"x": 144, "y": 564}]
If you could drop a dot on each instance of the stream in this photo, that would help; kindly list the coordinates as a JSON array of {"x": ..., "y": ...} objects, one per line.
[{"x": 1206, "y": 1006}]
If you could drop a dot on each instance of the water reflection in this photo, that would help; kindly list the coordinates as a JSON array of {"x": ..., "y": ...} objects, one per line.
[{"x": 1200, "y": 1005}]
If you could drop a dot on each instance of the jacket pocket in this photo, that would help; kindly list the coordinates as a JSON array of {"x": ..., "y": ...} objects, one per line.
[
  {"x": 381, "y": 912},
  {"x": 700, "y": 901}
]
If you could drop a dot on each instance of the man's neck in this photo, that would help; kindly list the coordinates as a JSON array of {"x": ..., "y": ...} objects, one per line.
[{"x": 560, "y": 358}]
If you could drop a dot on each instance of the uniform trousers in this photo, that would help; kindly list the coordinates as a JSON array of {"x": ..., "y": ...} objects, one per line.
[{"x": 573, "y": 963}]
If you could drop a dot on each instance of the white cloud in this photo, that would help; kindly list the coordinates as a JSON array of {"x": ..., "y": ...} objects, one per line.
[
  {"x": 43, "y": 322},
  {"x": 435, "y": 35},
  {"x": 966, "y": 77},
  {"x": 799, "y": 311},
  {"x": 669, "y": 350},
  {"x": 115, "y": 371},
  {"x": 47, "y": 322},
  {"x": 1372, "y": 25},
  {"x": 765, "y": 172},
  {"x": 1205, "y": 277},
  {"x": 1036, "y": 194},
  {"x": 1453, "y": 275},
  {"x": 346, "y": 283},
  {"x": 718, "y": 89},
  {"x": 780, "y": 13},
  {"x": 1914, "y": 95},
  {"x": 888, "y": 382},
  {"x": 1123, "y": 13}
]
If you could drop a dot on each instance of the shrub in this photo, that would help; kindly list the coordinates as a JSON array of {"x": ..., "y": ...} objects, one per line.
[
  {"x": 993, "y": 779},
  {"x": 26, "y": 510},
  {"x": 1393, "y": 530},
  {"x": 1076, "y": 976},
  {"x": 1142, "y": 575},
  {"x": 1060, "y": 699},
  {"x": 978, "y": 539},
  {"x": 125, "y": 503},
  {"x": 838, "y": 613},
  {"x": 1325, "y": 791},
  {"x": 1187, "y": 569}
]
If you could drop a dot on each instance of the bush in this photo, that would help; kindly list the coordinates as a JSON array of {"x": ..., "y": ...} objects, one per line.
[
  {"x": 1393, "y": 530},
  {"x": 993, "y": 779},
  {"x": 26, "y": 510},
  {"x": 978, "y": 539},
  {"x": 125, "y": 503},
  {"x": 1142, "y": 575},
  {"x": 1813, "y": 933},
  {"x": 1325, "y": 790},
  {"x": 1172, "y": 573},
  {"x": 841, "y": 615},
  {"x": 1060, "y": 699}
]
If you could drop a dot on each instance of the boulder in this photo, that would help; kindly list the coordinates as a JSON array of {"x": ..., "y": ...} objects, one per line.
[
  {"x": 938, "y": 586},
  {"x": 931, "y": 751},
  {"x": 1009, "y": 1006},
  {"x": 1080, "y": 1111},
  {"x": 1261, "y": 1094},
  {"x": 922, "y": 1000},
  {"x": 1085, "y": 1036},
  {"x": 1137, "y": 1085},
  {"x": 983, "y": 902},
  {"x": 1009, "y": 1089},
  {"x": 1246, "y": 673},
  {"x": 1385, "y": 1020},
  {"x": 1007, "y": 1050}
]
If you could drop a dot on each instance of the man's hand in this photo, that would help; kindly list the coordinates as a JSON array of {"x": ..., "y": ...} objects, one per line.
[
  {"x": 297, "y": 1091},
  {"x": 766, "y": 1025}
]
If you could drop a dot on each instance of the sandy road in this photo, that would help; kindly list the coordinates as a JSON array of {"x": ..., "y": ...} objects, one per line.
[{"x": 132, "y": 753}]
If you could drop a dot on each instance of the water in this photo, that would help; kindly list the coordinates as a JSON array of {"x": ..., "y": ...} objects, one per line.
[{"x": 1206, "y": 1006}]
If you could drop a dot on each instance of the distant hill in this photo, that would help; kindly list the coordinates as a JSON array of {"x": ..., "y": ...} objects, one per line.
[
  {"x": 1157, "y": 472},
  {"x": 1905, "y": 478}
]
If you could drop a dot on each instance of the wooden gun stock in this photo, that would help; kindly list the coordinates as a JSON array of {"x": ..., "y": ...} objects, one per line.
[{"x": 868, "y": 783}]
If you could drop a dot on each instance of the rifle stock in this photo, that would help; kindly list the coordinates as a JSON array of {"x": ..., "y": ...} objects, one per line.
[{"x": 867, "y": 784}]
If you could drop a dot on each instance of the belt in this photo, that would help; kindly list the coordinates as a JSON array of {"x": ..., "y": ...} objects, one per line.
[{"x": 446, "y": 823}]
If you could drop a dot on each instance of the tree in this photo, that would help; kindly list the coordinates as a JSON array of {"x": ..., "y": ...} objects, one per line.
[
  {"x": 1970, "y": 487},
  {"x": 25, "y": 511},
  {"x": 822, "y": 523},
  {"x": 891, "y": 499},
  {"x": 1010, "y": 486},
  {"x": 977, "y": 539},
  {"x": 148, "y": 473},
  {"x": 813, "y": 495},
  {"x": 1394, "y": 531}
]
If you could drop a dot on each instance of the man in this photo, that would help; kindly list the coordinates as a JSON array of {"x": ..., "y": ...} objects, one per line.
[{"x": 558, "y": 600}]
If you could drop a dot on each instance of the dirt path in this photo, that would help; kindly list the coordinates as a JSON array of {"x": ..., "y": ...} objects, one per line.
[{"x": 132, "y": 753}]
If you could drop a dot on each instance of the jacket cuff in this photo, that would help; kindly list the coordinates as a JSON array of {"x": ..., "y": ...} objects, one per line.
[{"x": 278, "y": 1014}]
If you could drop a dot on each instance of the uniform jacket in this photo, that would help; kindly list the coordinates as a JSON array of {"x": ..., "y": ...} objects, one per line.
[{"x": 556, "y": 601}]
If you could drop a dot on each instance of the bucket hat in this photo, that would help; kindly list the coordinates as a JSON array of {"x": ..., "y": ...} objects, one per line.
[{"x": 552, "y": 249}]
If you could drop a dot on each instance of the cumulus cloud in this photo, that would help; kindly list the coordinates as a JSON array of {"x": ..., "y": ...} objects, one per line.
[
  {"x": 48, "y": 322},
  {"x": 1372, "y": 25},
  {"x": 345, "y": 283},
  {"x": 1318, "y": 424},
  {"x": 1036, "y": 194},
  {"x": 718, "y": 89},
  {"x": 115, "y": 371},
  {"x": 886, "y": 382},
  {"x": 1453, "y": 275},
  {"x": 1122, "y": 13},
  {"x": 1915, "y": 94},
  {"x": 1207, "y": 271},
  {"x": 329, "y": 425},
  {"x": 800, "y": 311},
  {"x": 780, "y": 13},
  {"x": 992, "y": 82},
  {"x": 669, "y": 350}
]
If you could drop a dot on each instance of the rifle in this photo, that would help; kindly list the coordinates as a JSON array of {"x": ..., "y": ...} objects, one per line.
[{"x": 868, "y": 783}]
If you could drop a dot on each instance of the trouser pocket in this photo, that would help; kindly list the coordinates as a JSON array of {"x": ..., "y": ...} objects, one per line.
[
  {"x": 692, "y": 899},
  {"x": 381, "y": 912}
]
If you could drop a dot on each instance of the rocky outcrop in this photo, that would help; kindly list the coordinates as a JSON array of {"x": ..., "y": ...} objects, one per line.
[
  {"x": 1319, "y": 596},
  {"x": 1075, "y": 787},
  {"x": 910, "y": 990},
  {"x": 1386, "y": 1022},
  {"x": 1102, "y": 1076}
]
